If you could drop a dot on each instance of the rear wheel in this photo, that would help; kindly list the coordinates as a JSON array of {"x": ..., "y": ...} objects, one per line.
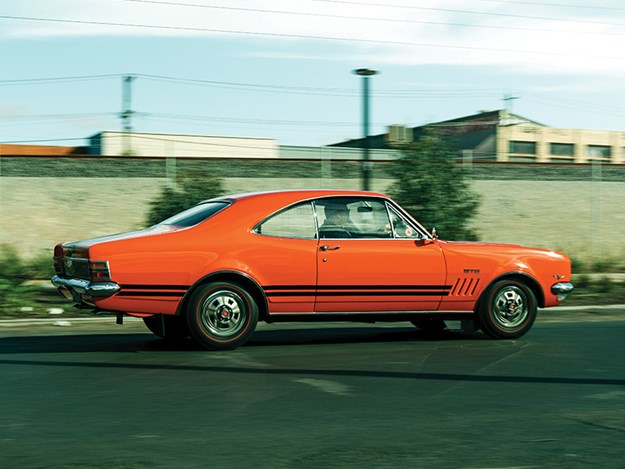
[
  {"x": 221, "y": 315},
  {"x": 508, "y": 310},
  {"x": 167, "y": 327}
]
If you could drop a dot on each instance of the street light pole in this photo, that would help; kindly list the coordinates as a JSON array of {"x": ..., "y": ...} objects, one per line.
[{"x": 365, "y": 73}]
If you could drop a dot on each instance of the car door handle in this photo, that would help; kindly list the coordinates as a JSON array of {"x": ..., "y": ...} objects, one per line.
[{"x": 329, "y": 247}]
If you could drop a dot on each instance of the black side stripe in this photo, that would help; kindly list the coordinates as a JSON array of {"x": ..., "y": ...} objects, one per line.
[
  {"x": 358, "y": 290},
  {"x": 359, "y": 287},
  {"x": 361, "y": 293}
]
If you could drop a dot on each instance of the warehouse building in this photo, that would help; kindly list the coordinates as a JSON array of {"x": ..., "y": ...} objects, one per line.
[{"x": 504, "y": 137}]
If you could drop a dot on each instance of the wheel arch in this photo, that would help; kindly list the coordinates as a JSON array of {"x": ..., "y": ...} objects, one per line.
[
  {"x": 233, "y": 276},
  {"x": 522, "y": 277}
]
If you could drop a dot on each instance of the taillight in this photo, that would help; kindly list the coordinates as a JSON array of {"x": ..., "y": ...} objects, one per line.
[
  {"x": 58, "y": 253},
  {"x": 99, "y": 271},
  {"x": 76, "y": 253}
]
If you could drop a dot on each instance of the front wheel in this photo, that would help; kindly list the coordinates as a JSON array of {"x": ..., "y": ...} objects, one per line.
[
  {"x": 507, "y": 310},
  {"x": 221, "y": 315}
]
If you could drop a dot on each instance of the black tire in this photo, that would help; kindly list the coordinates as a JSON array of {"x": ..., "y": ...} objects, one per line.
[
  {"x": 431, "y": 325},
  {"x": 507, "y": 310},
  {"x": 167, "y": 327},
  {"x": 221, "y": 315}
]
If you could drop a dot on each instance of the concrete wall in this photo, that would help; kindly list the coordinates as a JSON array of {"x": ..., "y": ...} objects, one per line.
[{"x": 545, "y": 206}]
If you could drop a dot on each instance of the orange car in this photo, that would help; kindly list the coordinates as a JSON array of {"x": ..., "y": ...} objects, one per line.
[{"x": 216, "y": 269}]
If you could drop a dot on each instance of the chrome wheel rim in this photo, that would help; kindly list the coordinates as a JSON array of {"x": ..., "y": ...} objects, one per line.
[
  {"x": 223, "y": 313},
  {"x": 510, "y": 307}
]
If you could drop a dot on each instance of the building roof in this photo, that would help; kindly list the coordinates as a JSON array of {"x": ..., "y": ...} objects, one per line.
[
  {"x": 481, "y": 121},
  {"x": 8, "y": 149}
]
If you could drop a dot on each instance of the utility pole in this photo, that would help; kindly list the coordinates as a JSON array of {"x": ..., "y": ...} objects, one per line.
[
  {"x": 365, "y": 73},
  {"x": 507, "y": 100},
  {"x": 127, "y": 112}
]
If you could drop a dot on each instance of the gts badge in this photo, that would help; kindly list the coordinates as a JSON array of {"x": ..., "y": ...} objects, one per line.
[{"x": 472, "y": 271}]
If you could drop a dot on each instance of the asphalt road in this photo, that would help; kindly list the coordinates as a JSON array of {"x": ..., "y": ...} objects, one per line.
[{"x": 314, "y": 396}]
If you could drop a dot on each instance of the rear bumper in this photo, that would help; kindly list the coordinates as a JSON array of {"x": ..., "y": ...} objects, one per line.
[
  {"x": 562, "y": 290},
  {"x": 68, "y": 286}
]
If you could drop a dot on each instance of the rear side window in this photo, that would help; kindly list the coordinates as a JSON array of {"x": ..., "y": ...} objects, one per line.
[
  {"x": 294, "y": 222},
  {"x": 196, "y": 214}
]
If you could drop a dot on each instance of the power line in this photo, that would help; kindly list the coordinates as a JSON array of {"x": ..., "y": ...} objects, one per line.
[
  {"x": 351, "y": 92},
  {"x": 423, "y": 93},
  {"x": 469, "y": 12},
  {"x": 281, "y": 89},
  {"x": 239, "y": 120},
  {"x": 556, "y": 5},
  {"x": 77, "y": 116},
  {"x": 28, "y": 81},
  {"x": 366, "y": 18},
  {"x": 252, "y": 86},
  {"x": 574, "y": 105},
  {"x": 306, "y": 36}
]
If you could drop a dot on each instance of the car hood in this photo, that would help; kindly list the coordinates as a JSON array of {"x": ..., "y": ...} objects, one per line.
[
  {"x": 470, "y": 247},
  {"x": 470, "y": 244}
]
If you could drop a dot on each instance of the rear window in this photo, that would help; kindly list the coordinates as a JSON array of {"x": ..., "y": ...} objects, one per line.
[{"x": 196, "y": 214}]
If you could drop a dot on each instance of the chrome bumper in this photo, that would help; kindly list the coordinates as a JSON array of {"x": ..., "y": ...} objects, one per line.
[
  {"x": 562, "y": 290},
  {"x": 84, "y": 287}
]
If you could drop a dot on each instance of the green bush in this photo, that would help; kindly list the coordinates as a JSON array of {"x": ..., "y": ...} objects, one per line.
[
  {"x": 14, "y": 272},
  {"x": 582, "y": 281},
  {"x": 603, "y": 285},
  {"x": 577, "y": 265},
  {"x": 605, "y": 265},
  {"x": 12, "y": 268},
  {"x": 191, "y": 187},
  {"x": 433, "y": 188}
]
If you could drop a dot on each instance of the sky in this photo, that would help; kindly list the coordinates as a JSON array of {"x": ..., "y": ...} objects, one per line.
[{"x": 284, "y": 69}]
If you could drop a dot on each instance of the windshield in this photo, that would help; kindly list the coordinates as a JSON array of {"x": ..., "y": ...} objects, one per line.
[{"x": 196, "y": 214}]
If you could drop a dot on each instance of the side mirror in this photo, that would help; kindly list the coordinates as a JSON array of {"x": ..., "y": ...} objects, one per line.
[{"x": 434, "y": 234}]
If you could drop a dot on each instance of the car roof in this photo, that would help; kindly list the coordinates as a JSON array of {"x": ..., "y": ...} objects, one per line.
[{"x": 291, "y": 196}]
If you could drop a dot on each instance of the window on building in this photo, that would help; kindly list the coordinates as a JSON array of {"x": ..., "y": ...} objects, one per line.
[
  {"x": 562, "y": 149},
  {"x": 600, "y": 152},
  {"x": 522, "y": 148}
]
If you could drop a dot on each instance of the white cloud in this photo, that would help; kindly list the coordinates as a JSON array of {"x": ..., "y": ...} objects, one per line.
[{"x": 590, "y": 43}]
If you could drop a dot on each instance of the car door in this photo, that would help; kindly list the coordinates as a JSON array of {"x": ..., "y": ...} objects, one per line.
[
  {"x": 379, "y": 261},
  {"x": 282, "y": 257}
]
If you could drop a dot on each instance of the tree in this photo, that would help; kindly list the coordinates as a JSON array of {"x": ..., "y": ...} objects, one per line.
[
  {"x": 433, "y": 188},
  {"x": 191, "y": 187}
]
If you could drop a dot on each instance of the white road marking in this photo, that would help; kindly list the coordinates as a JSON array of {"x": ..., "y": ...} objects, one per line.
[{"x": 331, "y": 387}]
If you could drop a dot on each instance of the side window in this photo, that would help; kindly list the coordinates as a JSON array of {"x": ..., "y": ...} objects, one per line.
[
  {"x": 294, "y": 222},
  {"x": 402, "y": 228},
  {"x": 371, "y": 219},
  {"x": 348, "y": 217},
  {"x": 334, "y": 218}
]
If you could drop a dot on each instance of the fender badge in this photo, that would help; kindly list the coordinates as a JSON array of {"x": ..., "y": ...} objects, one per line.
[{"x": 471, "y": 271}]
